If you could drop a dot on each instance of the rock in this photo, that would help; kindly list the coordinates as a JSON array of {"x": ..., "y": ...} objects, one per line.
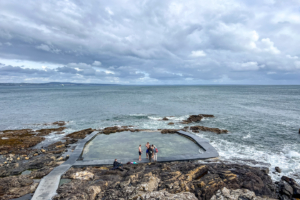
[
  {"x": 150, "y": 183},
  {"x": 164, "y": 195},
  {"x": 206, "y": 115},
  {"x": 16, "y": 186},
  {"x": 277, "y": 169},
  {"x": 193, "y": 118},
  {"x": 43, "y": 150},
  {"x": 36, "y": 154},
  {"x": 196, "y": 129},
  {"x": 165, "y": 118},
  {"x": 239, "y": 194},
  {"x": 80, "y": 134},
  {"x": 18, "y": 141},
  {"x": 59, "y": 123},
  {"x": 84, "y": 175},
  {"x": 288, "y": 188},
  {"x": 170, "y": 123},
  {"x": 26, "y": 158},
  {"x": 44, "y": 132},
  {"x": 166, "y": 180},
  {"x": 164, "y": 131}
]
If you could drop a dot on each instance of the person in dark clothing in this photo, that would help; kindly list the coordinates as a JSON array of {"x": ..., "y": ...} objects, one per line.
[
  {"x": 117, "y": 164},
  {"x": 150, "y": 152}
]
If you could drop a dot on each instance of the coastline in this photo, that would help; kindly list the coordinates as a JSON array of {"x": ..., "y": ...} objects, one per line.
[{"x": 26, "y": 166}]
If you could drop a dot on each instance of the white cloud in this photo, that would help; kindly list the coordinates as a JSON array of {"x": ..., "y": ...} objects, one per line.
[
  {"x": 199, "y": 53},
  {"x": 267, "y": 45},
  {"x": 292, "y": 57},
  {"x": 97, "y": 63},
  {"x": 108, "y": 10}
]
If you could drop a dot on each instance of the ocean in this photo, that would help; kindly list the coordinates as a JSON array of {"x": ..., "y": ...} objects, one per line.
[{"x": 263, "y": 121}]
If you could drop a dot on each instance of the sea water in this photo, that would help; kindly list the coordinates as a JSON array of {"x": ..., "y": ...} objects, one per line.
[{"x": 263, "y": 121}]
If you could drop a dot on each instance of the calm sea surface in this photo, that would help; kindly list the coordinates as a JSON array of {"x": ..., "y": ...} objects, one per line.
[{"x": 263, "y": 120}]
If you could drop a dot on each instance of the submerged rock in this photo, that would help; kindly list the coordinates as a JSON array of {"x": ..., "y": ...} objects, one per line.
[
  {"x": 171, "y": 123},
  {"x": 59, "y": 123},
  {"x": 196, "y": 129},
  {"x": 44, "y": 132}
]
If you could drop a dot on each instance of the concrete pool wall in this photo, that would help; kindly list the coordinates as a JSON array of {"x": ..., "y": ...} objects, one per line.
[{"x": 49, "y": 184}]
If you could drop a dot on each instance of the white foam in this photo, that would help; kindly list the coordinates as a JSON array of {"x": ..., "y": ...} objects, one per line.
[
  {"x": 293, "y": 154},
  {"x": 288, "y": 160}
]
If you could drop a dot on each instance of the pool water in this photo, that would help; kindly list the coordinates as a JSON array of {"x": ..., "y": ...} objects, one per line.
[{"x": 125, "y": 145}]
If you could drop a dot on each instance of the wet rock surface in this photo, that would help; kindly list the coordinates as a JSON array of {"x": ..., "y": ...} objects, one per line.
[
  {"x": 287, "y": 188},
  {"x": 195, "y": 118},
  {"x": 176, "y": 180},
  {"x": 80, "y": 134},
  {"x": 197, "y": 129}
]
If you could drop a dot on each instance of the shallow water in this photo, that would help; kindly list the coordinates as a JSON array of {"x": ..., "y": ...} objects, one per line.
[
  {"x": 125, "y": 145},
  {"x": 263, "y": 120}
]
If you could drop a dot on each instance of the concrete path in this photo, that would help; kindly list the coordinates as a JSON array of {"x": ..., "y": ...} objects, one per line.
[{"x": 49, "y": 184}]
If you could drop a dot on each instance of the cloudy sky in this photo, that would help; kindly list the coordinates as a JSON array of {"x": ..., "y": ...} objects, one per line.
[{"x": 150, "y": 41}]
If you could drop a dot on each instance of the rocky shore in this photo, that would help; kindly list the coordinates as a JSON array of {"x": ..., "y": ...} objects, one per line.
[{"x": 22, "y": 166}]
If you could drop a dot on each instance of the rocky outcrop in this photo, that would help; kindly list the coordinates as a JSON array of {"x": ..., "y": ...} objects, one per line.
[
  {"x": 165, "y": 131},
  {"x": 44, "y": 132},
  {"x": 165, "y": 119},
  {"x": 239, "y": 194},
  {"x": 197, "y": 129},
  {"x": 80, "y": 134},
  {"x": 195, "y": 118},
  {"x": 288, "y": 188},
  {"x": 59, "y": 123},
  {"x": 16, "y": 140},
  {"x": 176, "y": 180}
]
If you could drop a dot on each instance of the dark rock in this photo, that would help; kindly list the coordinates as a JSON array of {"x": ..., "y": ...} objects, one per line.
[
  {"x": 165, "y": 118},
  {"x": 59, "y": 123},
  {"x": 18, "y": 140},
  {"x": 80, "y": 134},
  {"x": 193, "y": 118},
  {"x": 171, "y": 123},
  {"x": 44, "y": 132},
  {"x": 165, "y": 131},
  {"x": 165, "y": 179},
  {"x": 277, "y": 169},
  {"x": 206, "y": 115},
  {"x": 196, "y": 129},
  {"x": 292, "y": 183},
  {"x": 16, "y": 186}
]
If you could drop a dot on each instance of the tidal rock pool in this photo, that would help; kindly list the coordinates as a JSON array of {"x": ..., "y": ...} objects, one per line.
[{"x": 125, "y": 145}]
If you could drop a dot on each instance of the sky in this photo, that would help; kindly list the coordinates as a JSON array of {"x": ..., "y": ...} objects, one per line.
[{"x": 153, "y": 42}]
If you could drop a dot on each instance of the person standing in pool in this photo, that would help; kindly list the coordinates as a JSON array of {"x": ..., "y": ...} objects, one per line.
[
  {"x": 150, "y": 152},
  {"x": 155, "y": 151},
  {"x": 147, "y": 148},
  {"x": 140, "y": 152}
]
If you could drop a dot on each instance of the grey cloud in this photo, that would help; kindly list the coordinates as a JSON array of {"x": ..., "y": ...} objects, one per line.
[{"x": 161, "y": 41}]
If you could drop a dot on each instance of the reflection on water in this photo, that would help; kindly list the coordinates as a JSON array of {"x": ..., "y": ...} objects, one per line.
[{"x": 125, "y": 145}]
